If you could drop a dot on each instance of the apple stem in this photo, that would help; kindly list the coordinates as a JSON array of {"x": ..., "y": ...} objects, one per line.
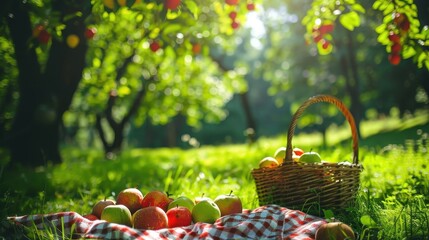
[{"x": 230, "y": 193}]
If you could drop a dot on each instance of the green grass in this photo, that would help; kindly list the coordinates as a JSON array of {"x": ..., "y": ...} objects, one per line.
[{"x": 394, "y": 192}]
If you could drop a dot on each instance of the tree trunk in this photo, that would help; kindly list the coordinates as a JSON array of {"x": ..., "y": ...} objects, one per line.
[
  {"x": 354, "y": 88},
  {"x": 251, "y": 125},
  {"x": 44, "y": 97}
]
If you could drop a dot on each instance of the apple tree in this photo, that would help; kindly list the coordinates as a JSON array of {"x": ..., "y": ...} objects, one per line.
[{"x": 115, "y": 54}]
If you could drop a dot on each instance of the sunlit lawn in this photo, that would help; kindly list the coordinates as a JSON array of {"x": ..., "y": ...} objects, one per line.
[{"x": 394, "y": 184}]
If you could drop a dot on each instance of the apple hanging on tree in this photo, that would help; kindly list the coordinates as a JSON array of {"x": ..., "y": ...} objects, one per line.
[
  {"x": 172, "y": 4},
  {"x": 231, "y": 2},
  {"x": 154, "y": 46},
  {"x": 44, "y": 36},
  {"x": 90, "y": 33}
]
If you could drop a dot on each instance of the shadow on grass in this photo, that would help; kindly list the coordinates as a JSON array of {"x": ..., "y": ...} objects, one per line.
[{"x": 398, "y": 136}]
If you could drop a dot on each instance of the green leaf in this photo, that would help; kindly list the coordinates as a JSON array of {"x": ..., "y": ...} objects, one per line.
[
  {"x": 376, "y": 4},
  {"x": 358, "y": 8},
  {"x": 408, "y": 51},
  {"x": 367, "y": 221},
  {"x": 172, "y": 14},
  {"x": 422, "y": 58},
  {"x": 192, "y": 6},
  {"x": 350, "y": 20}
]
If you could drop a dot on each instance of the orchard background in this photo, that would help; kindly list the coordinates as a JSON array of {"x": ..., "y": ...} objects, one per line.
[{"x": 115, "y": 77}]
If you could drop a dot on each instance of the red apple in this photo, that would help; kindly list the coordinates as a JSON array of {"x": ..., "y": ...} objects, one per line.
[
  {"x": 326, "y": 28},
  {"x": 154, "y": 46},
  {"x": 231, "y": 2},
  {"x": 90, "y": 32},
  {"x": 172, "y": 4},
  {"x": 152, "y": 218},
  {"x": 131, "y": 198},
  {"x": 229, "y": 204},
  {"x": 179, "y": 217},
  {"x": 196, "y": 48},
  {"x": 393, "y": 37},
  {"x": 37, "y": 29},
  {"x": 235, "y": 25},
  {"x": 44, "y": 36},
  {"x": 396, "y": 48},
  {"x": 156, "y": 198},
  {"x": 233, "y": 15},
  {"x": 298, "y": 151},
  {"x": 98, "y": 208},
  {"x": 250, "y": 6},
  {"x": 394, "y": 58}
]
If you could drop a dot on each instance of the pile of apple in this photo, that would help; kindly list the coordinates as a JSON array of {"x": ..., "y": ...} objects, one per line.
[
  {"x": 298, "y": 156},
  {"x": 156, "y": 210}
]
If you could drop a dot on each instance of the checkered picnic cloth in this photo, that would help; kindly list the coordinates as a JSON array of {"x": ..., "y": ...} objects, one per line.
[{"x": 266, "y": 222}]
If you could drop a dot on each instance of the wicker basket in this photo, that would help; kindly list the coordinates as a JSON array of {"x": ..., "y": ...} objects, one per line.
[{"x": 305, "y": 186}]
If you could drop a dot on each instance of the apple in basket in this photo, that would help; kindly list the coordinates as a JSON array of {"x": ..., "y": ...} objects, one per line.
[
  {"x": 334, "y": 230},
  {"x": 179, "y": 216},
  {"x": 297, "y": 151},
  {"x": 117, "y": 214},
  {"x": 156, "y": 198},
  {"x": 98, "y": 207},
  {"x": 228, "y": 204},
  {"x": 182, "y": 201},
  {"x": 280, "y": 154},
  {"x": 205, "y": 211},
  {"x": 152, "y": 218},
  {"x": 131, "y": 198},
  {"x": 310, "y": 157},
  {"x": 268, "y": 162}
]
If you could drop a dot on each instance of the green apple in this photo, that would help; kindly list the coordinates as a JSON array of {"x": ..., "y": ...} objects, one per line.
[
  {"x": 310, "y": 157},
  {"x": 280, "y": 154},
  {"x": 182, "y": 201},
  {"x": 117, "y": 214},
  {"x": 228, "y": 204},
  {"x": 205, "y": 211}
]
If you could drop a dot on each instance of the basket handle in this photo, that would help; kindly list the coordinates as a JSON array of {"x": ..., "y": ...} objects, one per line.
[{"x": 329, "y": 99}]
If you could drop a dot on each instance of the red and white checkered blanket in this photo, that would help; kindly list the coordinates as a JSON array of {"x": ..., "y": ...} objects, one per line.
[{"x": 267, "y": 222}]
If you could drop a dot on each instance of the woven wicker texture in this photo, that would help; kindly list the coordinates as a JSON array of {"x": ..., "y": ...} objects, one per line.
[{"x": 304, "y": 186}]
